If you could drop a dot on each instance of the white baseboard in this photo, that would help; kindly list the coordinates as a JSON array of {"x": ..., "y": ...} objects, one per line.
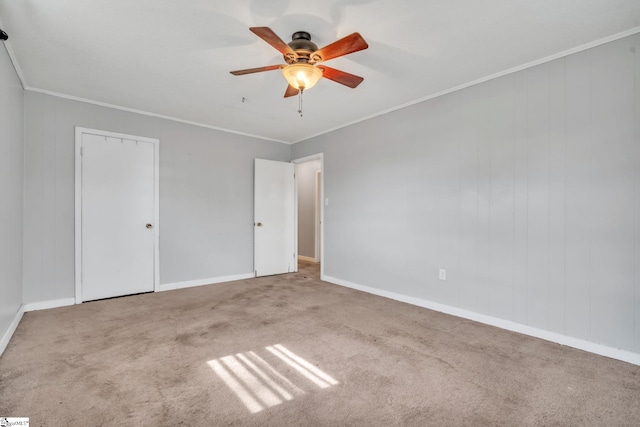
[
  {"x": 200, "y": 282},
  {"x": 33, "y": 306},
  {"x": 45, "y": 305},
  {"x": 4, "y": 342},
  {"x": 602, "y": 350},
  {"x": 306, "y": 258}
]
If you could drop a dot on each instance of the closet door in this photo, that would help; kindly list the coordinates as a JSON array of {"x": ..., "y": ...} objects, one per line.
[{"x": 118, "y": 216}]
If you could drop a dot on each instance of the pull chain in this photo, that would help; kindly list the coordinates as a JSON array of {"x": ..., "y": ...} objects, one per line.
[{"x": 300, "y": 102}]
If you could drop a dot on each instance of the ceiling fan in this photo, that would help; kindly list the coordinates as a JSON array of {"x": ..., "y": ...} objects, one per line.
[{"x": 302, "y": 55}]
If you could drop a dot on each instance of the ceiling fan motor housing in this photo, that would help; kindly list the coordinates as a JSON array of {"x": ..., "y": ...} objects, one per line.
[{"x": 303, "y": 46}]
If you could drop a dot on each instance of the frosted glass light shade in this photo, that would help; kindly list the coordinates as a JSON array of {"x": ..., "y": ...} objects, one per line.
[{"x": 302, "y": 76}]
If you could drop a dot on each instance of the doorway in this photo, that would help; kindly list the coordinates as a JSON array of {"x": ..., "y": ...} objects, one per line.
[
  {"x": 309, "y": 211},
  {"x": 117, "y": 228}
]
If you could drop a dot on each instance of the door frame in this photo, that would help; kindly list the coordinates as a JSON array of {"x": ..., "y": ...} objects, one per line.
[
  {"x": 317, "y": 214},
  {"x": 79, "y": 131},
  {"x": 317, "y": 156}
]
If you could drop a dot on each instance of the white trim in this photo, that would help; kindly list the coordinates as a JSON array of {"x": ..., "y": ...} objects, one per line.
[
  {"x": 45, "y": 305},
  {"x": 483, "y": 79},
  {"x": 306, "y": 258},
  {"x": 317, "y": 156},
  {"x": 295, "y": 221},
  {"x": 306, "y": 159},
  {"x": 147, "y": 113},
  {"x": 14, "y": 62},
  {"x": 602, "y": 350},
  {"x": 4, "y": 342},
  {"x": 201, "y": 282},
  {"x": 156, "y": 215},
  {"x": 79, "y": 131},
  {"x": 78, "y": 216},
  {"x": 317, "y": 222}
]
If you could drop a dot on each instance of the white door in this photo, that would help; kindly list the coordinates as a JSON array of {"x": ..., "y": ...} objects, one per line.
[
  {"x": 117, "y": 207},
  {"x": 274, "y": 218}
]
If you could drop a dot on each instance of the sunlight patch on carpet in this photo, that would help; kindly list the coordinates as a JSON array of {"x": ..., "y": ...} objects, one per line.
[{"x": 261, "y": 384}]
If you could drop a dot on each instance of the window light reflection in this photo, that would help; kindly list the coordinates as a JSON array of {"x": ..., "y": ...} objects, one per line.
[{"x": 261, "y": 384}]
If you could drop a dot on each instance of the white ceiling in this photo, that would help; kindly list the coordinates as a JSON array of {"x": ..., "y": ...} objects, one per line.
[{"x": 172, "y": 58}]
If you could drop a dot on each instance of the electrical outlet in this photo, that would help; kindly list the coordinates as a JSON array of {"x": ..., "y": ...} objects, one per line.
[{"x": 442, "y": 274}]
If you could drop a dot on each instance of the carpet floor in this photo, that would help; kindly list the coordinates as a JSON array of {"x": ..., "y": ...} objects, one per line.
[{"x": 293, "y": 350}]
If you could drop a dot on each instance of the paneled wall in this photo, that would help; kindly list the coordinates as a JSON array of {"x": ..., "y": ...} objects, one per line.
[
  {"x": 206, "y": 194},
  {"x": 11, "y": 186},
  {"x": 526, "y": 189}
]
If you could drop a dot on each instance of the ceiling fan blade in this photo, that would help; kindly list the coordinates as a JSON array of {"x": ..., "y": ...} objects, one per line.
[
  {"x": 267, "y": 34},
  {"x": 291, "y": 91},
  {"x": 344, "y": 78},
  {"x": 256, "y": 70},
  {"x": 346, "y": 45}
]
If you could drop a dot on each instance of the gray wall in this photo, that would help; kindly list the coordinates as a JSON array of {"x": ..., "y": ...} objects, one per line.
[
  {"x": 526, "y": 189},
  {"x": 11, "y": 186},
  {"x": 206, "y": 194},
  {"x": 306, "y": 182}
]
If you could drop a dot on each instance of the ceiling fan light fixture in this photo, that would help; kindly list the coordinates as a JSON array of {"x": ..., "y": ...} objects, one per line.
[{"x": 302, "y": 76}]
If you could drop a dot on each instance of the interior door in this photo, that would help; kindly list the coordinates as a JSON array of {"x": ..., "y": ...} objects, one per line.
[
  {"x": 274, "y": 218},
  {"x": 118, "y": 218}
]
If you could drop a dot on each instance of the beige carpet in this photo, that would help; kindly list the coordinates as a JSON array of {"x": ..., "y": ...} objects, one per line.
[{"x": 292, "y": 350}]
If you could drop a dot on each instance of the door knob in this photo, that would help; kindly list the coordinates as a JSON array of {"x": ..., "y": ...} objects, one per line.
[
  {"x": 149, "y": 226},
  {"x": 258, "y": 224}
]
